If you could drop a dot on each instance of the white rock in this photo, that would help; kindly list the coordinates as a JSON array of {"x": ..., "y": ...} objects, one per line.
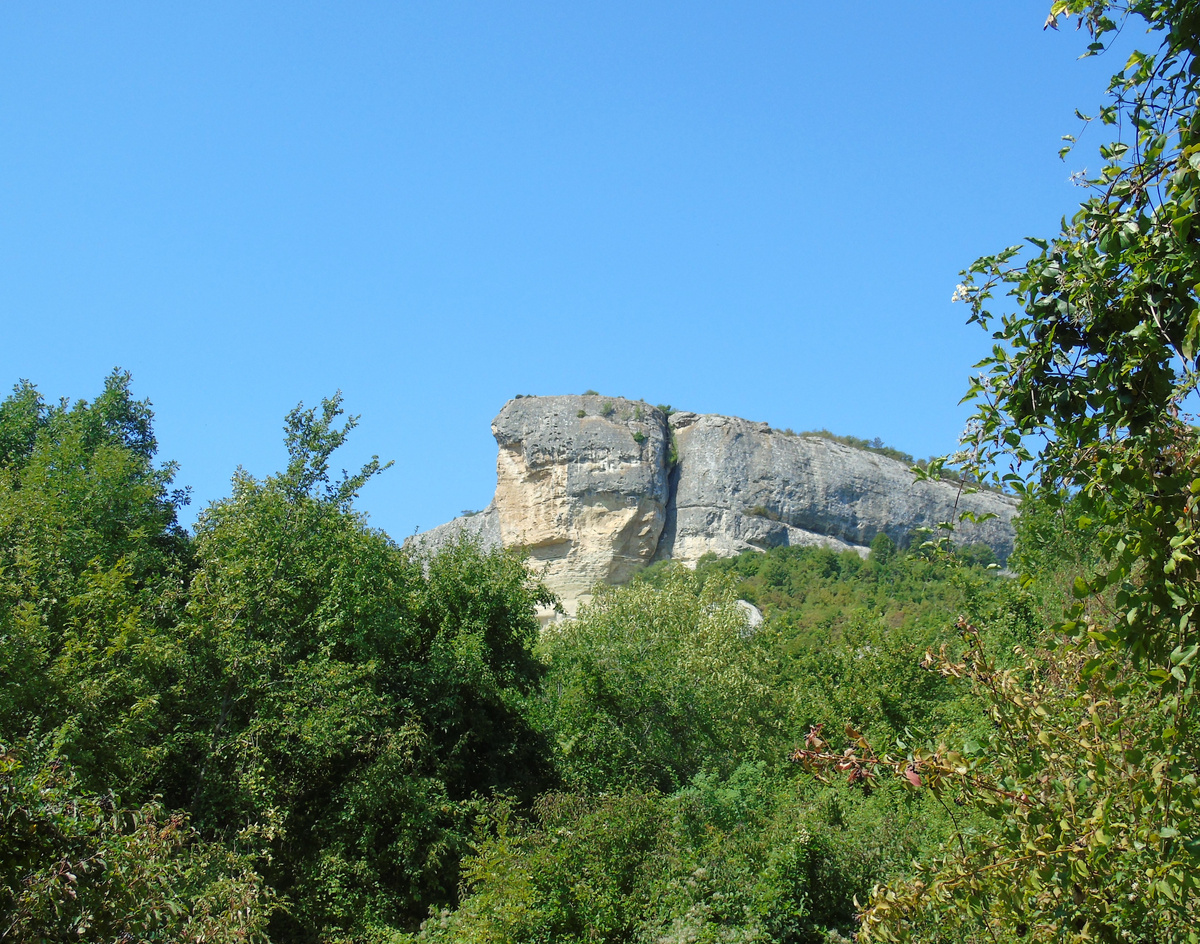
[
  {"x": 754, "y": 616},
  {"x": 591, "y": 499}
]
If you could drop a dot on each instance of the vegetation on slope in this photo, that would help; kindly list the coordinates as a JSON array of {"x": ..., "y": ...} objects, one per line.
[
  {"x": 286, "y": 728},
  {"x": 287, "y": 683}
]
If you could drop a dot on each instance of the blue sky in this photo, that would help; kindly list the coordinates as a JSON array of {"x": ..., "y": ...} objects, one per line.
[{"x": 756, "y": 208}]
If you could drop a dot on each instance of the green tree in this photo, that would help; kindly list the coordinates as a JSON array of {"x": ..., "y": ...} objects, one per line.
[
  {"x": 651, "y": 684},
  {"x": 883, "y": 548},
  {"x": 353, "y": 702},
  {"x": 93, "y": 571},
  {"x": 1091, "y": 371},
  {"x": 1090, "y": 775}
]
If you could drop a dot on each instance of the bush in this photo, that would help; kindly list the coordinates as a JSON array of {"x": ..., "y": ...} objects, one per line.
[
  {"x": 872, "y": 445},
  {"x": 883, "y": 548},
  {"x": 648, "y": 685},
  {"x": 762, "y": 511},
  {"x": 751, "y": 857},
  {"x": 76, "y": 865}
]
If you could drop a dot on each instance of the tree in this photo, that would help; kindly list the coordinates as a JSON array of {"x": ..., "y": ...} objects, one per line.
[
  {"x": 1088, "y": 382},
  {"x": 353, "y": 703},
  {"x": 1090, "y": 776},
  {"x": 883, "y": 548},
  {"x": 651, "y": 684},
  {"x": 93, "y": 569}
]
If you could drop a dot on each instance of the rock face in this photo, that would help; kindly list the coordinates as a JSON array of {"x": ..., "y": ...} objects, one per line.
[
  {"x": 581, "y": 483},
  {"x": 594, "y": 488},
  {"x": 740, "y": 486}
]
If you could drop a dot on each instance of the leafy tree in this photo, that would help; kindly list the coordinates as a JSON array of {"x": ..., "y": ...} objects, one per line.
[
  {"x": 1091, "y": 373},
  {"x": 883, "y": 548},
  {"x": 93, "y": 569},
  {"x": 1090, "y": 773},
  {"x": 678, "y": 826},
  {"x": 352, "y": 702},
  {"x": 650, "y": 684}
]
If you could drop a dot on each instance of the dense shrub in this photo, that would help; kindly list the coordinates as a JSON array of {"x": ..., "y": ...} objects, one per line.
[
  {"x": 650, "y": 684},
  {"x": 76, "y": 865},
  {"x": 752, "y": 857}
]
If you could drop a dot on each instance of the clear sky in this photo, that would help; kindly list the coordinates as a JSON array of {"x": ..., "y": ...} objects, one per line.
[{"x": 749, "y": 208}]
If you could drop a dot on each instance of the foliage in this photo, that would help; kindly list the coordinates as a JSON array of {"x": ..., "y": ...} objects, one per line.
[
  {"x": 719, "y": 854},
  {"x": 1089, "y": 375},
  {"x": 883, "y": 549},
  {"x": 848, "y": 635},
  {"x": 873, "y": 445},
  {"x": 1086, "y": 792},
  {"x": 93, "y": 571},
  {"x": 302, "y": 717},
  {"x": 77, "y": 866},
  {"x": 353, "y": 700},
  {"x": 751, "y": 857},
  {"x": 316, "y": 701},
  {"x": 650, "y": 684},
  {"x": 812, "y": 595},
  {"x": 1089, "y": 776}
]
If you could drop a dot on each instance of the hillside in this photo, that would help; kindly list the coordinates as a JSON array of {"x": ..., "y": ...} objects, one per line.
[{"x": 596, "y": 488}]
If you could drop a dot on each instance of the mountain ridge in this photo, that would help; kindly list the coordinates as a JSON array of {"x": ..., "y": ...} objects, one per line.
[{"x": 595, "y": 488}]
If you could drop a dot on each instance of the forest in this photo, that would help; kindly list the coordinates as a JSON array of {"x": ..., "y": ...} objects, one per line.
[
  {"x": 281, "y": 725},
  {"x": 284, "y": 726}
]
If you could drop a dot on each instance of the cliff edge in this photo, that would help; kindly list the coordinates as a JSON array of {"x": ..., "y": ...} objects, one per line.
[{"x": 594, "y": 488}]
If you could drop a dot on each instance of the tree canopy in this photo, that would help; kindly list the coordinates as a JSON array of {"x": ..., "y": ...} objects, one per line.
[
  {"x": 1088, "y": 778},
  {"x": 284, "y": 726}
]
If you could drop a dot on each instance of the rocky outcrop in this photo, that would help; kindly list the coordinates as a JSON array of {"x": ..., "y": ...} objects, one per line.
[
  {"x": 741, "y": 486},
  {"x": 581, "y": 484},
  {"x": 594, "y": 488},
  {"x": 482, "y": 526}
]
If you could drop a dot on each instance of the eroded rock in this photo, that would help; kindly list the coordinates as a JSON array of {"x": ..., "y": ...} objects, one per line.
[
  {"x": 581, "y": 484},
  {"x": 740, "y": 486},
  {"x": 584, "y": 484}
]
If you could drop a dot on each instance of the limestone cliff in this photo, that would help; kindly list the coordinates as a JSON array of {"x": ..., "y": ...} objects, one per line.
[
  {"x": 581, "y": 483},
  {"x": 739, "y": 485},
  {"x": 594, "y": 488}
]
